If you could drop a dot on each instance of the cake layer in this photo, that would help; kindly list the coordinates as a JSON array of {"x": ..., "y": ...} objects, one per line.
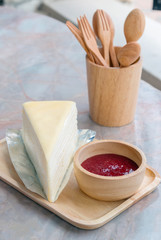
[
  {"x": 48, "y": 117},
  {"x": 50, "y": 135}
]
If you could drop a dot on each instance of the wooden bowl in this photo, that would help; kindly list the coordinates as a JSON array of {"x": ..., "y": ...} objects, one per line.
[{"x": 104, "y": 187}]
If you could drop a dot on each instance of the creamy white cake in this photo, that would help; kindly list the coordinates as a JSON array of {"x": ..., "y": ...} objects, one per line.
[{"x": 50, "y": 135}]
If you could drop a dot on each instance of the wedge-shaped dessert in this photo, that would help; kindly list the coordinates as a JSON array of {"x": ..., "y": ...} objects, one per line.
[{"x": 50, "y": 135}]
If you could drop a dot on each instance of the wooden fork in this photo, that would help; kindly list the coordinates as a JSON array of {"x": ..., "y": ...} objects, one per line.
[
  {"x": 90, "y": 40},
  {"x": 104, "y": 35},
  {"x": 90, "y": 27},
  {"x": 94, "y": 58},
  {"x": 113, "y": 56},
  {"x": 78, "y": 34}
]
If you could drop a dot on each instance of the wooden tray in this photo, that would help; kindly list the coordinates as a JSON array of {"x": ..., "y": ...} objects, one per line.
[{"x": 73, "y": 205}]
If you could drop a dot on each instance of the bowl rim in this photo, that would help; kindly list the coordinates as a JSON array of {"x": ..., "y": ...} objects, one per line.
[{"x": 113, "y": 178}]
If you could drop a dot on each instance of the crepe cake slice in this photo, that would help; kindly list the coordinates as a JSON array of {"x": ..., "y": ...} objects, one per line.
[{"x": 49, "y": 133}]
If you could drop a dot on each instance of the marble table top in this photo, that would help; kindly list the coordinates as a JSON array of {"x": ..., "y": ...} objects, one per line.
[{"x": 41, "y": 60}]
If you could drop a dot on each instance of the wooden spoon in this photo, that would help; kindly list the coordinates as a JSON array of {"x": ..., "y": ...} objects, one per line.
[
  {"x": 134, "y": 25},
  {"x": 95, "y": 22},
  {"x": 128, "y": 54},
  {"x": 112, "y": 29}
]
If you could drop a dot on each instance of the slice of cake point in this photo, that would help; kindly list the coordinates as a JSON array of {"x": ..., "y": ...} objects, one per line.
[{"x": 50, "y": 135}]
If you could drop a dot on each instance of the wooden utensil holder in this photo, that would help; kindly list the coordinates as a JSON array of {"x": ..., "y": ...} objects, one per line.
[{"x": 112, "y": 93}]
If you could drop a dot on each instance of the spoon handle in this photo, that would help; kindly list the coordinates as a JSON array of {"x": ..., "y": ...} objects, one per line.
[
  {"x": 106, "y": 54},
  {"x": 113, "y": 56}
]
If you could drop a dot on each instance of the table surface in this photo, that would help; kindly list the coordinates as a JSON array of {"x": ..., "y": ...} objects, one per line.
[{"x": 41, "y": 60}]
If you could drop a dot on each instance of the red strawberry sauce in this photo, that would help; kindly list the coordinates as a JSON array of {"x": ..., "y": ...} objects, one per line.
[{"x": 109, "y": 165}]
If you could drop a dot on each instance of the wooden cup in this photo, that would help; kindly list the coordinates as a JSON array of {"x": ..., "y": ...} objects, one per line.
[{"x": 112, "y": 93}]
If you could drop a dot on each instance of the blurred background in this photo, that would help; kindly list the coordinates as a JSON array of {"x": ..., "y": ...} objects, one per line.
[
  {"x": 64, "y": 10},
  {"x": 51, "y": 7}
]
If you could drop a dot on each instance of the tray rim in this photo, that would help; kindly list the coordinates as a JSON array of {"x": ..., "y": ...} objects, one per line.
[{"x": 84, "y": 224}]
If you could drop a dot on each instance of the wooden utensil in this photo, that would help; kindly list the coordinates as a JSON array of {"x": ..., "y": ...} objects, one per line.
[
  {"x": 90, "y": 40},
  {"x": 95, "y": 22},
  {"x": 78, "y": 34},
  {"x": 128, "y": 54},
  {"x": 93, "y": 57},
  {"x": 117, "y": 49},
  {"x": 134, "y": 25},
  {"x": 112, "y": 50},
  {"x": 104, "y": 34},
  {"x": 112, "y": 29},
  {"x": 90, "y": 27}
]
